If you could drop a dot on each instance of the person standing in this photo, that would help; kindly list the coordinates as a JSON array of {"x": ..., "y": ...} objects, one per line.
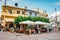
[
  {"x": 48, "y": 29},
  {"x": 0, "y": 27},
  {"x": 36, "y": 30}
]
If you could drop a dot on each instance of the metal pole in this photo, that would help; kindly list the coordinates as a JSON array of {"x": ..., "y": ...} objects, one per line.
[
  {"x": 56, "y": 17},
  {"x": 5, "y": 12},
  {"x": 5, "y": 5}
]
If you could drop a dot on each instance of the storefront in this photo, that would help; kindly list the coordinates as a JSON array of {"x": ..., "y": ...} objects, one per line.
[{"x": 35, "y": 26}]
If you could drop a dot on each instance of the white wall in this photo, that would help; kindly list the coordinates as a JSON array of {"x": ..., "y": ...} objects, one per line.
[{"x": 33, "y": 13}]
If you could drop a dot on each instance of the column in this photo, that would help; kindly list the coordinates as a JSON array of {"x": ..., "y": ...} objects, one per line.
[{"x": 15, "y": 27}]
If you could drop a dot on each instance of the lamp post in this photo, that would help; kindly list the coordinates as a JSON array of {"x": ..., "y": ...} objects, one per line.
[
  {"x": 4, "y": 2},
  {"x": 55, "y": 17},
  {"x": 4, "y": 10},
  {"x": 5, "y": 5}
]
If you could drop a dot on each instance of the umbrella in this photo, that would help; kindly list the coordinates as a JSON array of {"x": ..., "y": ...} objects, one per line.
[
  {"x": 39, "y": 22},
  {"x": 26, "y": 22}
]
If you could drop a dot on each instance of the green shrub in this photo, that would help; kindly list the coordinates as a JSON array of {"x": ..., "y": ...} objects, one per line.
[{"x": 38, "y": 18}]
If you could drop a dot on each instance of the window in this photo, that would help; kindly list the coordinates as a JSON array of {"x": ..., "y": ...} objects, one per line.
[
  {"x": 10, "y": 11},
  {"x": 46, "y": 15},
  {"x": 18, "y": 12},
  {"x": 35, "y": 14},
  {"x": 23, "y": 12},
  {"x": 30, "y": 13}
]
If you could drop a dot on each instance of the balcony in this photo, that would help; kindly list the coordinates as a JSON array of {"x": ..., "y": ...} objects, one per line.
[{"x": 12, "y": 15}]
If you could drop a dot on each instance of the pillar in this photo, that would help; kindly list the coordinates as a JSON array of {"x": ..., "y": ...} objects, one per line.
[{"x": 14, "y": 25}]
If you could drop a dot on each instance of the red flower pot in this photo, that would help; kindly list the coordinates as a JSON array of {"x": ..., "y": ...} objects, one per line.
[
  {"x": 19, "y": 31},
  {"x": 32, "y": 31}
]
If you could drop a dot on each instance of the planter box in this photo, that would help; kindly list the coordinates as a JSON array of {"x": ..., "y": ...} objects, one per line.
[{"x": 19, "y": 31}]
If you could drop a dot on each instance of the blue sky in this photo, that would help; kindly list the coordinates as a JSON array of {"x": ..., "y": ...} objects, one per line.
[{"x": 47, "y": 5}]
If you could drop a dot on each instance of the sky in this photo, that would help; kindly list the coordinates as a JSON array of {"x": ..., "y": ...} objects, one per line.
[
  {"x": 58, "y": 14},
  {"x": 47, "y": 5}
]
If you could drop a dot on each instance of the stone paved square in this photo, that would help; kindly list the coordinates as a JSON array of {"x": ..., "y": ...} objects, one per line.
[{"x": 19, "y": 36}]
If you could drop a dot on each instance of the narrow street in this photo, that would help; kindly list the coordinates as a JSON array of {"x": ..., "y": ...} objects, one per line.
[{"x": 54, "y": 35}]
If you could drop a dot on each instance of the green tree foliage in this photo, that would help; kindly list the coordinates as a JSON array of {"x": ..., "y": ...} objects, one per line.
[
  {"x": 18, "y": 19},
  {"x": 38, "y": 18}
]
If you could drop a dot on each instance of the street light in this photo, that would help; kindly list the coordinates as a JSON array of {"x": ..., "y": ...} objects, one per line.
[
  {"x": 4, "y": 9},
  {"x": 4, "y": 4},
  {"x": 56, "y": 17}
]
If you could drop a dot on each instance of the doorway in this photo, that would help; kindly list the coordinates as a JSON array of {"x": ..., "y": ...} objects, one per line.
[{"x": 11, "y": 25}]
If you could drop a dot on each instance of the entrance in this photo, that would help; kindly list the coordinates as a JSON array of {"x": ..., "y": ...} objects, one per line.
[
  {"x": 17, "y": 26},
  {"x": 11, "y": 25}
]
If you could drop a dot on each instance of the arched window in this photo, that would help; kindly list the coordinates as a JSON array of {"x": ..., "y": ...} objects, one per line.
[
  {"x": 18, "y": 12},
  {"x": 10, "y": 11}
]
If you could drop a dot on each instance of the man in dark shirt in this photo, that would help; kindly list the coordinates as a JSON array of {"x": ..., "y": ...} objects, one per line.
[
  {"x": 36, "y": 30},
  {"x": 0, "y": 27}
]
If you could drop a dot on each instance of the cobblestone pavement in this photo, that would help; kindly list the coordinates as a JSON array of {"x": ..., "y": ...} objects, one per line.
[{"x": 17, "y": 36}]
